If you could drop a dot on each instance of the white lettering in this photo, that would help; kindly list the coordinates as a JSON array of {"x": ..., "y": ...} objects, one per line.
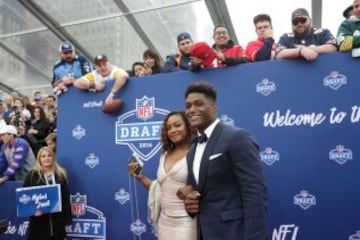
[
  {"x": 43, "y": 204},
  {"x": 23, "y": 228},
  {"x": 275, "y": 119},
  {"x": 38, "y": 197},
  {"x": 77, "y": 228},
  {"x": 124, "y": 133},
  {"x": 283, "y": 232},
  {"x": 96, "y": 227},
  {"x": 84, "y": 228},
  {"x": 155, "y": 130},
  {"x": 145, "y": 132},
  {"x": 336, "y": 117},
  {"x": 134, "y": 132},
  {"x": 355, "y": 114}
]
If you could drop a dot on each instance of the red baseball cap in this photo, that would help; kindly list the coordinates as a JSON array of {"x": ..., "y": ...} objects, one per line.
[{"x": 203, "y": 51}]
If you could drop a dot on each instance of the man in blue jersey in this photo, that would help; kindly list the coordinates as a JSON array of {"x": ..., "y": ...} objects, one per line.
[
  {"x": 68, "y": 68},
  {"x": 304, "y": 41}
]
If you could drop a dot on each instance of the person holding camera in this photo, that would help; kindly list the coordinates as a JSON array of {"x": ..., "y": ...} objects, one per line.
[
  {"x": 19, "y": 114},
  {"x": 173, "y": 221}
]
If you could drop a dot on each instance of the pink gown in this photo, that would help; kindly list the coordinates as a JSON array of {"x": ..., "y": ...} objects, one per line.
[{"x": 174, "y": 222}]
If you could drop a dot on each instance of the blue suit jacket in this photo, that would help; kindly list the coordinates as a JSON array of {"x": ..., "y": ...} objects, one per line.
[{"x": 233, "y": 199}]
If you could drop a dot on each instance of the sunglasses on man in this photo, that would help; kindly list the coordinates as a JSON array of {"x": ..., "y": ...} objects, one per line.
[{"x": 296, "y": 21}]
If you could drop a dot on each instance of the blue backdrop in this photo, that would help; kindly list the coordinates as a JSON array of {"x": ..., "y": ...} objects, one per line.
[{"x": 305, "y": 116}]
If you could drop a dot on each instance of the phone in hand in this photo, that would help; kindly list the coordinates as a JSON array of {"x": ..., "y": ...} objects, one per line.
[{"x": 140, "y": 164}]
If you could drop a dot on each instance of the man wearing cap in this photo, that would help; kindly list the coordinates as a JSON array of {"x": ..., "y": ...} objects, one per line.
[
  {"x": 305, "y": 41},
  {"x": 16, "y": 155},
  {"x": 348, "y": 12},
  {"x": 348, "y": 36},
  {"x": 181, "y": 60},
  {"x": 104, "y": 71},
  {"x": 69, "y": 67}
]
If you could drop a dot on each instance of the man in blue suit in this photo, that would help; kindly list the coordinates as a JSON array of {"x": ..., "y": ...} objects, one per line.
[{"x": 228, "y": 193}]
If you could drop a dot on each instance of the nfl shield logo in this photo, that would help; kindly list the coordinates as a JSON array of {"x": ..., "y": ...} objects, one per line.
[
  {"x": 304, "y": 193},
  {"x": 78, "y": 204},
  {"x": 339, "y": 148},
  {"x": 145, "y": 108}
]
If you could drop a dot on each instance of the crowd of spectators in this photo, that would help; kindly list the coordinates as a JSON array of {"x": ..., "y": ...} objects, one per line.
[{"x": 34, "y": 120}]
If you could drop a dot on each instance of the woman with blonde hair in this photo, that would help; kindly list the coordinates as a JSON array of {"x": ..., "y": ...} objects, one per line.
[{"x": 46, "y": 172}]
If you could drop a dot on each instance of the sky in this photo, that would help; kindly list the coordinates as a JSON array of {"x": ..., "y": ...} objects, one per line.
[{"x": 242, "y": 13}]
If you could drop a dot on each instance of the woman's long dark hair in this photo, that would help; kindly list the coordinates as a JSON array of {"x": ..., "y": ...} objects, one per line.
[
  {"x": 156, "y": 57},
  {"x": 167, "y": 144}
]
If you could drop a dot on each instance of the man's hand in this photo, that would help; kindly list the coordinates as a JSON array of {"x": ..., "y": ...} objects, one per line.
[
  {"x": 268, "y": 33},
  {"x": 67, "y": 80},
  {"x": 2, "y": 180},
  {"x": 308, "y": 53},
  {"x": 220, "y": 56},
  {"x": 192, "y": 201},
  {"x": 196, "y": 61},
  {"x": 109, "y": 98}
]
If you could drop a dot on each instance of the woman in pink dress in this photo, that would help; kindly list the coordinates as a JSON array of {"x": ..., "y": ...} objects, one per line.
[{"x": 173, "y": 223}]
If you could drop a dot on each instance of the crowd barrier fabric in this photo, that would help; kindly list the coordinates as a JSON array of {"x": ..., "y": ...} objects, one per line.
[{"x": 304, "y": 115}]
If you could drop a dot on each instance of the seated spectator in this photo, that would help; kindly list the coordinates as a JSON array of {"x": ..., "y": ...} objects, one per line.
[
  {"x": 264, "y": 47},
  {"x": 8, "y": 103},
  {"x": 182, "y": 59},
  {"x": 22, "y": 133},
  {"x": 348, "y": 12},
  {"x": 95, "y": 81},
  {"x": 70, "y": 67},
  {"x": 138, "y": 69},
  {"x": 50, "y": 141},
  {"x": 227, "y": 53},
  {"x": 152, "y": 62},
  {"x": 51, "y": 112},
  {"x": 348, "y": 36},
  {"x": 304, "y": 41},
  {"x": 27, "y": 104},
  {"x": 16, "y": 156}
]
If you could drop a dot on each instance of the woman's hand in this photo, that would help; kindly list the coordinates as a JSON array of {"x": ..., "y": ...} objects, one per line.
[{"x": 132, "y": 168}]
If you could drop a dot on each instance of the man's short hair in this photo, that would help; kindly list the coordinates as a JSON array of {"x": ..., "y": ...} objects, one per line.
[
  {"x": 52, "y": 97},
  {"x": 219, "y": 26},
  {"x": 261, "y": 18},
  {"x": 202, "y": 87}
]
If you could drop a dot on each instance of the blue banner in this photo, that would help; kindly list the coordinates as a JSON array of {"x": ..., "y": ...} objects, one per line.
[
  {"x": 304, "y": 115},
  {"x": 46, "y": 199}
]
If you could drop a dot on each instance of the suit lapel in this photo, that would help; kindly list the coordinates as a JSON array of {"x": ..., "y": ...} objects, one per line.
[
  {"x": 190, "y": 160},
  {"x": 207, "y": 153}
]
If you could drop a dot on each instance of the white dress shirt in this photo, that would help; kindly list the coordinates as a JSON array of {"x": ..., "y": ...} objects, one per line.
[{"x": 200, "y": 148}]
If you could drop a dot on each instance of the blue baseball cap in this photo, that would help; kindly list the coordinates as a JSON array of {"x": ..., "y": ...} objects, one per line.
[
  {"x": 183, "y": 36},
  {"x": 66, "y": 47}
]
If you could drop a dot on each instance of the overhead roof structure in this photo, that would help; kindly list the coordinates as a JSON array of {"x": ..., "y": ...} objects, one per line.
[{"x": 31, "y": 31}]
